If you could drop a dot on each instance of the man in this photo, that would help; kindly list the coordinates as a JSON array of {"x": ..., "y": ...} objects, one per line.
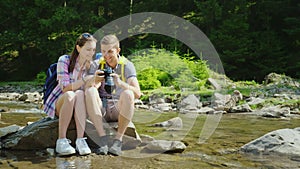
[{"x": 116, "y": 105}]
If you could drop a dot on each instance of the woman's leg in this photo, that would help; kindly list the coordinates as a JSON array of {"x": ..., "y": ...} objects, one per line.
[
  {"x": 64, "y": 110},
  {"x": 80, "y": 113},
  {"x": 80, "y": 120}
]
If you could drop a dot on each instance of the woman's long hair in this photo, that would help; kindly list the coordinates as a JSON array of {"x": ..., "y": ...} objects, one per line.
[{"x": 81, "y": 40}]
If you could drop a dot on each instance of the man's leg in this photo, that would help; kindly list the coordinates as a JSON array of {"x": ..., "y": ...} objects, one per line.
[
  {"x": 94, "y": 107},
  {"x": 126, "y": 111}
]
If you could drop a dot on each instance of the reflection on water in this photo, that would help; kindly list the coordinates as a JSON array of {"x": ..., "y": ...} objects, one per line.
[{"x": 68, "y": 163}]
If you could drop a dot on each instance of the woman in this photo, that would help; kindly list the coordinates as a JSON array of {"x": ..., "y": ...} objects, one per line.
[{"x": 67, "y": 100}]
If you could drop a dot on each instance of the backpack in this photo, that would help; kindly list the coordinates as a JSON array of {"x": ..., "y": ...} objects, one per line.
[{"x": 51, "y": 81}]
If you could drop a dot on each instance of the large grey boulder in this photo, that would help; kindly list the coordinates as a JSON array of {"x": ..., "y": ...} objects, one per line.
[
  {"x": 39, "y": 135},
  {"x": 43, "y": 134},
  {"x": 283, "y": 141}
]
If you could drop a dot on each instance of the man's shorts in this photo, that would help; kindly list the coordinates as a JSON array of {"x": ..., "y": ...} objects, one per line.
[{"x": 110, "y": 110}]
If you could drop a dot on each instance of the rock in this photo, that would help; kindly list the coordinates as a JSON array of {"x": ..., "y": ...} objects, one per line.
[
  {"x": 146, "y": 139},
  {"x": 282, "y": 141},
  {"x": 189, "y": 104},
  {"x": 4, "y": 109},
  {"x": 39, "y": 135},
  {"x": 214, "y": 83},
  {"x": 227, "y": 101},
  {"x": 156, "y": 99},
  {"x": 9, "y": 96},
  {"x": 23, "y": 97},
  {"x": 175, "y": 122},
  {"x": 50, "y": 151},
  {"x": 164, "y": 146},
  {"x": 206, "y": 110},
  {"x": 165, "y": 107},
  {"x": 131, "y": 139},
  {"x": 240, "y": 109},
  {"x": 284, "y": 96},
  {"x": 274, "y": 78},
  {"x": 220, "y": 99},
  {"x": 255, "y": 101},
  {"x": 8, "y": 130},
  {"x": 274, "y": 111},
  {"x": 145, "y": 107},
  {"x": 43, "y": 134},
  {"x": 138, "y": 102}
]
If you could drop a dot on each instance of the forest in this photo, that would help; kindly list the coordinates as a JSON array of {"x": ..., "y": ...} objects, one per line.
[{"x": 252, "y": 37}]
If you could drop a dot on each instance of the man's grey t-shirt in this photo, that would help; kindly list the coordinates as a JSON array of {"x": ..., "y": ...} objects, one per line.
[{"x": 129, "y": 71}]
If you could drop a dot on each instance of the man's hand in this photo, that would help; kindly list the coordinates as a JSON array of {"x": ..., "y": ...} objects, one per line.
[{"x": 116, "y": 78}]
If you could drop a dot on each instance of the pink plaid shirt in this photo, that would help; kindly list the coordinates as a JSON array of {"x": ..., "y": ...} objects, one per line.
[{"x": 64, "y": 78}]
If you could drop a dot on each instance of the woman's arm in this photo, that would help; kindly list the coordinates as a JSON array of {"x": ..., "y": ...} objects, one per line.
[{"x": 73, "y": 86}]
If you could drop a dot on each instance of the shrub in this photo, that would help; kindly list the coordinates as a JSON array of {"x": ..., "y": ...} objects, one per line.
[
  {"x": 168, "y": 69},
  {"x": 148, "y": 79},
  {"x": 41, "y": 77}
]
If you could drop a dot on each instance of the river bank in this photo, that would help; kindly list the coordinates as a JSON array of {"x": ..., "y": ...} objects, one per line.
[
  {"x": 221, "y": 150},
  {"x": 233, "y": 128}
]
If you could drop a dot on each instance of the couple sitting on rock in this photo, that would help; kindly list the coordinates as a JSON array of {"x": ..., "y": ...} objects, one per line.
[{"x": 81, "y": 92}]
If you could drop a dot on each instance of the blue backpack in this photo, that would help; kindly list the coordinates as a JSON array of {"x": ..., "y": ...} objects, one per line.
[{"x": 51, "y": 81}]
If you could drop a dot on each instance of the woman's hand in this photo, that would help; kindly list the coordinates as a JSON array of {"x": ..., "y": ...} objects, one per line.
[
  {"x": 99, "y": 76},
  {"x": 88, "y": 80}
]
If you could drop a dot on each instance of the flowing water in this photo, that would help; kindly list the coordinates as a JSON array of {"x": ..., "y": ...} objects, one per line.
[{"x": 219, "y": 150}]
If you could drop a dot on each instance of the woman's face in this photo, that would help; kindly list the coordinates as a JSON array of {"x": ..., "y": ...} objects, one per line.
[
  {"x": 110, "y": 54},
  {"x": 87, "y": 51}
]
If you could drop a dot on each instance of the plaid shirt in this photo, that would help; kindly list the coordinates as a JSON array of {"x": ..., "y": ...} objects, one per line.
[{"x": 64, "y": 78}]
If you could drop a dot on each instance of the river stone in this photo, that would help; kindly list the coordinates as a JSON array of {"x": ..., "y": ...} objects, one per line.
[
  {"x": 175, "y": 122},
  {"x": 161, "y": 146},
  {"x": 206, "y": 110},
  {"x": 189, "y": 104},
  {"x": 274, "y": 111},
  {"x": 43, "y": 134},
  {"x": 8, "y": 130},
  {"x": 282, "y": 141},
  {"x": 240, "y": 109}
]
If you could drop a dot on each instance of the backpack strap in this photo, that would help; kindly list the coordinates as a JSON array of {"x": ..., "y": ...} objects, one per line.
[
  {"x": 122, "y": 61},
  {"x": 102, "y": 63}
]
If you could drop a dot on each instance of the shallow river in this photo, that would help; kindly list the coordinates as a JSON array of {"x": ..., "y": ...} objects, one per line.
[{"x": 212, "y": 142}]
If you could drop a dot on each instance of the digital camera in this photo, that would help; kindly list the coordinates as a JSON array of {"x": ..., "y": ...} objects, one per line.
[{"x": 109, "y": 81}]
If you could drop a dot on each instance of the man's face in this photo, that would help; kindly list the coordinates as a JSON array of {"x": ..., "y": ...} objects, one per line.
[{"x": 110, "y": 54}]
